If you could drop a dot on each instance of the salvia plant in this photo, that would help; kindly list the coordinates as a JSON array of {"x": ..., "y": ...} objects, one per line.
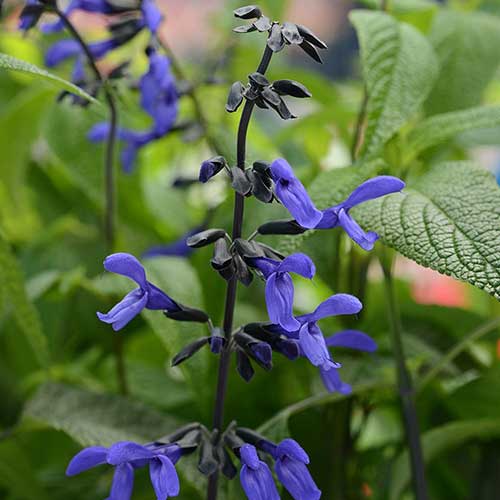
[{"x": 262, "y": 241}]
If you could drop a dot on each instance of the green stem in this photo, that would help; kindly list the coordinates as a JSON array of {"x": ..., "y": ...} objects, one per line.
[{"x": 405, "y": 388}]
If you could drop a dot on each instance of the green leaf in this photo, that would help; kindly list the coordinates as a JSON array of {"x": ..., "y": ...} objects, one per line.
[
  {"x": 466, "y": 44},
  {"x": 448, "y": 220},
  {"x": 15, "y": 301},
  {"x": 396, "y": 88},
  {"x": 94, "y": 419},
  {"x": 438, "y": 441},
  {"x": 440, "y": 128},
  {"x": 13, "y": 64}
]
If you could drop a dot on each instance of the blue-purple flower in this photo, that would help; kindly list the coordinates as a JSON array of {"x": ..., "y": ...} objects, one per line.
[
  {"x": 292, "y": 193},
  {"x": 126, "y": 456},
  {"x": 159, "y": 98},
  {"x": 255, "y": 476},
  {"x": 279, "y": 286},
  {"x": 338, "y": 215},
  {"x": 351, "y": 339},
  {"x": 291, "y": 469},
  {"x": 146, "y": 295}
]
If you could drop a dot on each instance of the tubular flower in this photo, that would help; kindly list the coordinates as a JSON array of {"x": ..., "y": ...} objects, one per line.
[
  {"x": 291, "y": 192},
  {"x": 126, "y": 456},
  {"x": 279, "y": 286},
  {"x": 255, "y": 476},
  {"x": 146, "y": 295},
  {"x": 338, "y": 215}
]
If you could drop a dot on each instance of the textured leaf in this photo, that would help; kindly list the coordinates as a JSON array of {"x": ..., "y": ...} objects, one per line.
[
  {"x": 448, "y": 220},
  {"x": 395, "y": 88},
  {"x": 466, "y": 44},
  {"x": 94, "y": 419},
  {"x": 13, "y": 64},
  {"x": 15, "y": 301},
  {"x": 440, "y": 440},
  {"x": 440, "y": 128}
]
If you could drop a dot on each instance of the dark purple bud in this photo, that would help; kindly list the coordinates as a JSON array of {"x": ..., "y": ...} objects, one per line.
[
  {"x": 283, "y": 110},
  {"x": 217, "y": 342},
  {"x": 263, "y": 24},
  {"x": 189, "y": 351},
  {"x": 270, "y": 252},
  {"x": 262, "y": 167},
  {"x": 281, "y": 227},
  {"x": 271, "y": 97},
  {"x": 260, "y": 103},
  {"x": 243, "y": 273},
  {"x": 190, "y": 440},
  {"x": 259, "y": 351},
  {"x": 291, "y": 88},
  {"x": 227, "y": 466},
  {"x": 309, "y": 36},
  {"x": 246, "y": 28},
  {"x": 221, "y": 257},
  {"x": 187, "y": 314},
  {"x": 248, "y": 249},
  {"x": 240, "y": 182},
  {"x": 30, "y": 15},
  {"x": 178, "y": 434},
  {"x": 211, "y": 167},
  {"x": 291, "y": 33},
  {"x": 258, "y": 79},
  {"x": 250, "y": 436},
  {"x": 244, "y": 366},
  {"x": 311, "y": 51},
  {"x": 235, "y": 97},
  {"x": 288, "y": 347},
  {"x": 207, "y": 463},
  {"x": 248, "y": 12},
  {"x": 261, "y": 186},
  {"x": 205, "y": 238},
  {"x": 276, "y": 42}
]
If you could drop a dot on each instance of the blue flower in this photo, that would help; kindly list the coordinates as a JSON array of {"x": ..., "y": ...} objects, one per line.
[
  {"x": 291, "y": 469},
  {"x": 159, "y": 98},
  {"x": 351, "y": 339},
  {"x": 126, "y": 456},
  {"x": 146, "y": 295},
  {"x": 338, "y": 215},
  {"x": 28, "y": 19},
  {"x": 291, "y": 192},
  {"x": 279, "y": 286},
  {"x": 151, "y": 15},
  {"x": 255, "y": 476}
]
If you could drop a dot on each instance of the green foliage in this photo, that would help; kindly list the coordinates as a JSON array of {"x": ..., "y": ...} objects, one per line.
[{"x": 395, "y": 88}]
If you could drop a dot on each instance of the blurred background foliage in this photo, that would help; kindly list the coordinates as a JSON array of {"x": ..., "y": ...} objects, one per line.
[{"x": 58, "y": 383}]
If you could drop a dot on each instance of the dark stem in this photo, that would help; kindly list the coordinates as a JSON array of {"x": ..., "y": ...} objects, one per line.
[
  {"x": 406, "y": 390},
  {"x": 109, "y": 189},
  {"x": 239, "y": 205}
]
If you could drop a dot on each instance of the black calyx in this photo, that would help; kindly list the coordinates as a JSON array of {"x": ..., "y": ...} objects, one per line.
[
  {"x": 268, "y": 333},
  {"x": 259, "y": 351},
  {"x": 222, "y": 260},
  {"x": 185, "y": 313},
  {"x": 235, "y": 97},
  {"x": 281, "y": 227},
  {"x": 216, "y": 342},
  {"x": 244, "y": 366},
  {"x": 291, "y": 88},
  {"x": 240, "y": 182},
  {"x": 262, "y": 23},
  {"x": 30, "y": 15},
  {"x": 205, "y": 238}
]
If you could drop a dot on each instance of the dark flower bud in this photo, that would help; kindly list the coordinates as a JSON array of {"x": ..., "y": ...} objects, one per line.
[
  {"x": 283, "y": 110},
  {"x": 243, "y": 273},
  {"x": 211, "y": 167},
  {"x": 271, "y": 97},
  {"x": 263, "y": 24},
  {"x": 310, "y": 37},
  {"x": 259, "y": 351},
  {"x": 235, "y": 97},
  {"x": 270, "y": 252},
  {"x": 217, "y": 341},
  {"x": 189, "y": 350},
  {"x": 205, "y": 238},
  {"x": 311, "y": 51},
  {"x": 291, "y": 88},
  {"x": 178, "y": 434},
  {"x": 233, "y": 440},
  {"x": 222, "y": 260},
  {"x": 291, "y": 33},
  {"x": 262, "y": 167},
  {"x": 240, "y": 182},
  {"x": 187, "y": 314},
  {"x": 227, "y": 466},
  {"x": 125, "y": 28},
  {"x": 288, "y": 347},
  {"x": 258, "y": 79},
  {"x": 30, "y": 15},
  {"x": 281, "y": 227},
  {"x": 207, "y": 463},
  {"x": 248, "y": 12},
  {"x": 183, "y": 182},
  {"x": 246, "y": 28},
  {"x": 250, "y": 436},
  {"x": 248, "y": 249},
  {"x": 190, "y": 441},
  {"x": 244, "y": 366},
  {"x": 261, "y": 186},
  {"x": 276, "y": 42}
]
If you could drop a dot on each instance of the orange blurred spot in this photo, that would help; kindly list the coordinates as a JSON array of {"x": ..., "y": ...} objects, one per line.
[{"x": 366, "y": 490}]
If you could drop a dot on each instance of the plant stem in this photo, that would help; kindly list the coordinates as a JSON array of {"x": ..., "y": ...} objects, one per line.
[
  {"x": 360, "y": 120},
  {"x": 109, "y": 188},
  {"x": 405, "y": 388},
  {"x": 239, "y": 205}
]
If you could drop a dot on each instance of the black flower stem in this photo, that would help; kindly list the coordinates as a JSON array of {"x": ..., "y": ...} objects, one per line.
[
  {"x": 239, "y": 205},
  {"x": 405, "y": 388},
  {"x": 109, "y": 214}
]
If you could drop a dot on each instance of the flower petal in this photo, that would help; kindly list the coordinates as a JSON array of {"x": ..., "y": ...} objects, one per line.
[
  {"x": 123, "y": 483},
  {"x": 352, "y": 339},
  {"x": 152, "y": 15},
  {"x": 298, "y": 263},
  {"x": 127, "y": 451},
  {"x": 338, "y": 304},
  {"x": 329, "y": 219},
  {"x": 365, "y": 240},
  {"x": 295, "y": 477},
  {"x": 279, "y": 301},
  {"x": 265, "y": 265},
  {"x": 159, "y": 300},
  {"x": 258, "y": 484},
  {"x": 292, "y": 449},
  {"x": 126, "y": 310},
  {"x": 60, "y": 51},
  {"x": 126, "y": 265},
  {"x": 164, "y": 477},
  {"x": 313, "y": 344},
  {"x": 373, "y": 188},
  {"x": 86, "y": 459},
  {"x": 249, "y": 457},
  {"x": 332, "y": 381}
]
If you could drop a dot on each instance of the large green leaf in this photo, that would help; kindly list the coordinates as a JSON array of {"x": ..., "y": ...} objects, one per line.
[
  {"x": 439, "y": 128},
  {"x": 396, "y": 88},
  {"x": 440, "y": 440},
  {"x": 14, "y": 301},
  {"x": 13, "y": 64},
  {"x": 448, "y": 220},
  {"x": 466, "y": 44},
  {"x": 94, "y": 419}
]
